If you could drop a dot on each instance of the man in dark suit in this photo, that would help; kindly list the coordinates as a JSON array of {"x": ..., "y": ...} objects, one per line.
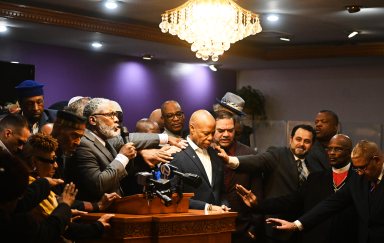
[
  {"x": 201, "y": 159},
  {"x": 326, "y": 126},
  {"x": 284, "y": 170},
  {"x": 342, "y": 226},
  {"x": 31, "y": 98},
  {"x": 96, "y": 167},
  {"x": 364, "y": 191},
  {"x": 247, "y": 222}
]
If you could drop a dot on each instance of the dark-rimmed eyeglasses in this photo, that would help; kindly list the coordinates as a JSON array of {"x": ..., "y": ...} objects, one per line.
[
  {"x": 109, "y": 114},
  {"x": 170, "y": 116},
  {"x": 45, "y": 160},
  {"x": 363, "y": 168}
]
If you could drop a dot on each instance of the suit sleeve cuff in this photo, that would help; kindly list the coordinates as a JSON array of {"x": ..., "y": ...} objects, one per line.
[
  {"x": 233, "y": 162},
  {"x": 122, "y": 159},
  {"x": 298, "y": 225},
  {"x": 163, "y": 138}
]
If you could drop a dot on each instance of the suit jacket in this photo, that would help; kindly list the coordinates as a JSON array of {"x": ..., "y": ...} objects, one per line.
[
  {"x": 369, "y": 207},
  {"x": 340, "y": 228},
  {"x": 93, "y": 167},
  {"x": 280, "y": 176},
  {"x": 48, "y": 116},
  {"x": 317, "y": 157},
  {"x": 187, "y": 161}
]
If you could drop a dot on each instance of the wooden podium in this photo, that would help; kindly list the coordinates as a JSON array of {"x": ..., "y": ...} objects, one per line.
[{"x": 193, "y": 226}]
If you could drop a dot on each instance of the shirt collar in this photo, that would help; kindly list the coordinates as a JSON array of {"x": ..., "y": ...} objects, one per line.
[
  {"x": 341, "y": 170},
  {"x": 381, "y": 174},
  {"x": 98, "y": 138},
  {"x": 4, "y": 147},
  {"x": 169, "y": 133},
  {"x": 193, "y": 145},
  {"x": 297, "y": 158}
]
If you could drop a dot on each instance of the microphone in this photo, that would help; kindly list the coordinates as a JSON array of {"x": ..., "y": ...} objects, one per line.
[
  {"x": 189, "y": 178},
  {"x": 124, "y": 134}
]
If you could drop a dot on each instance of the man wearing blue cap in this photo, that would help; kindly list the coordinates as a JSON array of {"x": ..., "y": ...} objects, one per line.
[{"x": 31, "y": 98}]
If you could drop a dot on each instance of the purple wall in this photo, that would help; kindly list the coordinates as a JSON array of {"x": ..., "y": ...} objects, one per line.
[{"x": 139, "y": 86}]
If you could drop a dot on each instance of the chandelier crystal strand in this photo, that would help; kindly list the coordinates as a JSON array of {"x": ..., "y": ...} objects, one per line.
[{"x": 210, "y": 26}]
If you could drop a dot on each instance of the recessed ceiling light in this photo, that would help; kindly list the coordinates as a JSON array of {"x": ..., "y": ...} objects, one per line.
[
  {"x": 15, "y": 62},
  {"x": 272, "y": 18},
  {"x": 96, "y": 45},
  {"x": 285, "y": 39},
  {"x": 110, "y": 4},
  {"x": 147, "y": 57},
  {"x": 3, "y": 28},
  {"x": 353, "y": 34},
  {"x": 213, "y": 68}
]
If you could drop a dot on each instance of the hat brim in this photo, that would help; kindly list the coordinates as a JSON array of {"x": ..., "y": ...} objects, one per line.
[{"x": 237, "y": 112}]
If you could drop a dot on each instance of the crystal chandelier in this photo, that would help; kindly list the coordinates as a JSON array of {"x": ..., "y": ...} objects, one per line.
[{"x": 211, "y": 26}]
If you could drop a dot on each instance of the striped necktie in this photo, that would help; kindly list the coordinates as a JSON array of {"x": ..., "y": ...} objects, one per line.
[{"x": 300, "y": 171}]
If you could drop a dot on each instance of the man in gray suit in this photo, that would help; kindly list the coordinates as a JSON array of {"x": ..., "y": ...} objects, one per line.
[
  {"x": 96, "y": 167},
  {"x": 201, "y": 159},
  {"x": 283, "y": 168}
]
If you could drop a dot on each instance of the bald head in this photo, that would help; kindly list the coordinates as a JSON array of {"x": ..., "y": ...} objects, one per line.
[
  {"x": 156, "y": 117},
  {"x": 339, "y": 150},
  {"x": 202, "y": 128},
  {"x": 365, "y": 149},
  {"x": 367, "y": 159},
  {"x": 342, "y": 140},
  {"x": 147, "y": 126}
]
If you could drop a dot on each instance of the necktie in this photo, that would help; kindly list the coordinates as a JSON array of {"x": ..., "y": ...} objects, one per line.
[
  {"x": 373, "y": 185},
  {"x": 111, "y": 149},
  {"x": 300, "y": 171}
]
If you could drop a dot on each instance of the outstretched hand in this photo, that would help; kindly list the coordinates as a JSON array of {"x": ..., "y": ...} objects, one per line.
[
  {"x": 221, "y": 153},
  {"x": 282, "y": 224},
  {"x": 178, "y": 142},
  {"x": 247, "y": 196},
  {"x": 104, "y": 219},
  {"x": 107, "y": 200},
  {"x": 69, "y": 194},
  {"x": 155, "y": 156},
  {"x": 53, "y": 181}
]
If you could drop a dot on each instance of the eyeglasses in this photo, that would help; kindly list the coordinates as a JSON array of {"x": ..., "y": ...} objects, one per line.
[
  {"x": 45, "y": 160},
  {"x": 178, "y": 114},
  {"x": 362, "y": 169},
  {"x": 109, "y": 114}
]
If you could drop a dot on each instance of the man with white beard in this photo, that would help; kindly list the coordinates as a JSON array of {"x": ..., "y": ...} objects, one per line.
[{"x": 96, "y": 167}]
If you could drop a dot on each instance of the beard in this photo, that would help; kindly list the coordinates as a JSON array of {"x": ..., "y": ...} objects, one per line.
[{"x": 108, "y": 131}]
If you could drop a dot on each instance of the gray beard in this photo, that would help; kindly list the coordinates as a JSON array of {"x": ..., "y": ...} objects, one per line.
[{"x": 108, "y": 131}]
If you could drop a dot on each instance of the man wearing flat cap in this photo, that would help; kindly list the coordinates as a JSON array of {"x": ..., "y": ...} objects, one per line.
[{"x": 31, "y": 98}]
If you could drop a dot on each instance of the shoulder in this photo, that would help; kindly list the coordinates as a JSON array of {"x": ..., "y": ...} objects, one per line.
[{"x": 244, "y": 149}]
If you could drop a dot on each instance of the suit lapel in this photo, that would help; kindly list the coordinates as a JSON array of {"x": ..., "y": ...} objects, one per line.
[
  {"x": 98, "y": 145},
  {"x": 195, "y": 159},
  {"x": 214, "y": 164}
]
